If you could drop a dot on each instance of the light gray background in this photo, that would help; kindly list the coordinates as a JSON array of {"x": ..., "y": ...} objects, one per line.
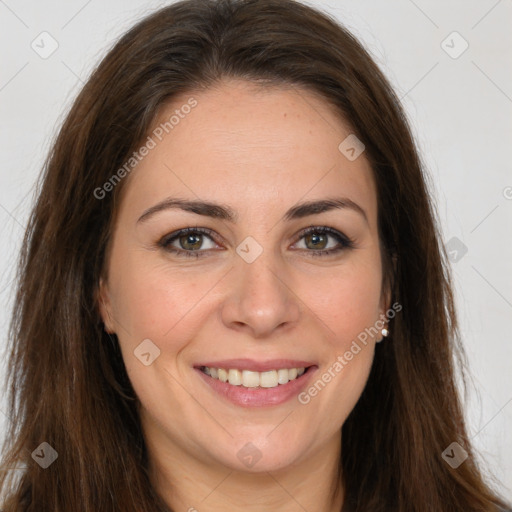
[{"x": 460, "y": 110}]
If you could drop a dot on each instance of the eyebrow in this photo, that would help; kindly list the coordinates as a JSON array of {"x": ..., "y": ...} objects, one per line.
[{"x": 223, "y": 212}]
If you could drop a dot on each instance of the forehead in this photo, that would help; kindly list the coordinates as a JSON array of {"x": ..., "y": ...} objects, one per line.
[{"x": 249, "y": 146}]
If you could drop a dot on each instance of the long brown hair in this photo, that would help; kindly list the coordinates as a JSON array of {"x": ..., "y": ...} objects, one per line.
[{"x": 67, "y": 381}]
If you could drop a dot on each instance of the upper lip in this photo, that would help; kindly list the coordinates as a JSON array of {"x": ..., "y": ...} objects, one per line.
[{"x": 256, "y": 366}]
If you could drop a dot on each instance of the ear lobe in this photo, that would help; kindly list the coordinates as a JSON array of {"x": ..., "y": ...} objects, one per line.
[{"x": 105, "y": 307}]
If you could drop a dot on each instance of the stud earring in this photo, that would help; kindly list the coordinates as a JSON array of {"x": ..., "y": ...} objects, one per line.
[{"x": 384, "y": 333}]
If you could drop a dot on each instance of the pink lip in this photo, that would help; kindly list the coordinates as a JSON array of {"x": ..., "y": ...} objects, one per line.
[
  {"x": 256, "y": 366},
  {"x": 258, "y": 397}
]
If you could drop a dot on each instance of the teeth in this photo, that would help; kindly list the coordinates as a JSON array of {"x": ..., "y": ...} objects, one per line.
[
  {"x": 283, "y": 376},
  {"x": 235, "y": 377},
  {"x": 250, "y": 379},
  {"x": 269, "y": 379}
]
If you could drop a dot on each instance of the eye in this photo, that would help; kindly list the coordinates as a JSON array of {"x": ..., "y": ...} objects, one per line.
[
  {"x": 188, "y": 242},
  {"x": 196, "y": 242},
  {"x": 323, "y": 241}
]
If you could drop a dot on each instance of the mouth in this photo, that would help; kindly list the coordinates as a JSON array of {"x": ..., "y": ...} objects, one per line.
[{"x": 274, "y": 385}]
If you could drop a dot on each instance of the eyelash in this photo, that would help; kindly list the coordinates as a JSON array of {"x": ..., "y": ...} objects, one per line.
[{"x": 344, "y": 241}]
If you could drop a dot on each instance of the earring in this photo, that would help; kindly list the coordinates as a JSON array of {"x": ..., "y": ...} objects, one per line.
[{"x": 384, "y": 333}]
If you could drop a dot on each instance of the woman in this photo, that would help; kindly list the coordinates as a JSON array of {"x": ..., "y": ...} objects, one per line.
[{"x": 232, "y": 289}]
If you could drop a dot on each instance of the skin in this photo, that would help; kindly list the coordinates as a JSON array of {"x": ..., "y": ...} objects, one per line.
[{"x": 259, "y": 151}]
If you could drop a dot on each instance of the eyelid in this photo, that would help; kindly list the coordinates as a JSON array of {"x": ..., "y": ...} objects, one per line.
[
  {"x": 167, "y": 239},
  {"x": 325, "y": 230}
]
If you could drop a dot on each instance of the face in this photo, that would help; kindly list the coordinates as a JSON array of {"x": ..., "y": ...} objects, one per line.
[{"x": 271, "y": 286}]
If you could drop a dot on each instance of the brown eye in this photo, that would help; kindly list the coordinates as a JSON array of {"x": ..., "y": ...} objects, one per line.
[
  {"x": 195, "y": 242},
  {"x": 190, "y": 242},
  {"x": 316, "y": 241},
  {"x": 323, "y": 241}
]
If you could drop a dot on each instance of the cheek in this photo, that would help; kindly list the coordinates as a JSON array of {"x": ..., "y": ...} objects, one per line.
[
  {"x": 350, "y": 309},
  {"x": 153, "y": 301},
  {"x": 168, "y": 308},
  {"x": 347, "y": 301}
]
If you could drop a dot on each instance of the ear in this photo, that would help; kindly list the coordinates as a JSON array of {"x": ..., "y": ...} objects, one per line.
[
  {"x": 385, "y": 301},
  {"x": 105, "y": 306},
  {"x": 388, "y": 285}
]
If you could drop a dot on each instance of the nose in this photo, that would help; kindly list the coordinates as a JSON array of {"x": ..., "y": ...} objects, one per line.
[{"x": 259, "y": 300}]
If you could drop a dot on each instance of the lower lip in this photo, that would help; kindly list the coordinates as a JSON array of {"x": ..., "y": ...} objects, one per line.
[{"x": 259, "y": 397}]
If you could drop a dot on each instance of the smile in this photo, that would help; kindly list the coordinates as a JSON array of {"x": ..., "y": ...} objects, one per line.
[{"x": 251, "y": 388}]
